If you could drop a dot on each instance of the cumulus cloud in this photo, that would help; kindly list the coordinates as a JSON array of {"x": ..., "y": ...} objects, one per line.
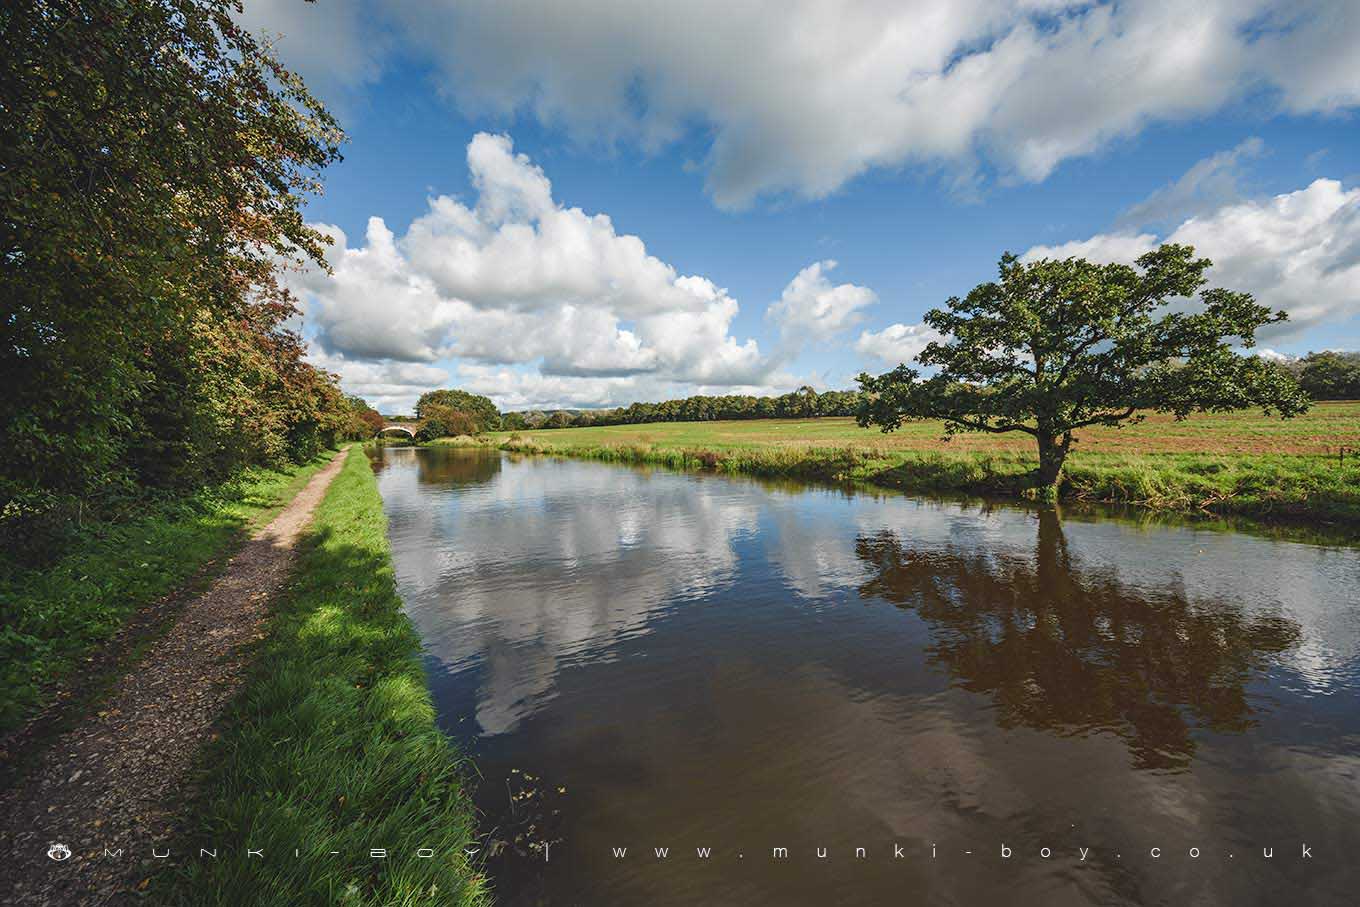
[
  {"x": 811, "y": 308},
  {"x": 1298, "y": 251},
  {"x": 897, "y": 343},
  {"x": 518, "y": 278},
  {"x": 802, "y": 95},
  {"x": 390, "y": 387}
]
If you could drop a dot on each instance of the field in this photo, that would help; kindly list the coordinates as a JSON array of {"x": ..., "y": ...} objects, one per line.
[
  {"x": 1237, "y": 463},
  {"x": 1322, "y": 431}
]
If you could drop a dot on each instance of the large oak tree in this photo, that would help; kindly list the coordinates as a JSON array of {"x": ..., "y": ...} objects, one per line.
[{"x": 1055, "y": 346}]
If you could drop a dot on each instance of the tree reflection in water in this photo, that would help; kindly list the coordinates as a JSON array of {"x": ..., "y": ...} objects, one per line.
[
  {"x": 1074, "y": 651},
  {"x": 453, "y": 466}
]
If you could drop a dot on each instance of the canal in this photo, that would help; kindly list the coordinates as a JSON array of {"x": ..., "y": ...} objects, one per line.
[{"x": 686, "y": 688}]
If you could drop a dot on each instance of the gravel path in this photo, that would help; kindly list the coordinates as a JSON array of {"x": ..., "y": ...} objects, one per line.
[{"x": 112, "y": 783}]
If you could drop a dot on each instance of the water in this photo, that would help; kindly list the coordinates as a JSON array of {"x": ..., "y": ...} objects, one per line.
[{"x": 645, "y": 659}]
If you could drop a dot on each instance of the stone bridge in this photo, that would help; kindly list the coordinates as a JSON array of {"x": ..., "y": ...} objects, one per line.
[{"x": 409, "y": 427}]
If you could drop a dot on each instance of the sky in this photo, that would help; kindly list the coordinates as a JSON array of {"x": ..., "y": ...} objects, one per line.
[{"x": 587, "y": 204}]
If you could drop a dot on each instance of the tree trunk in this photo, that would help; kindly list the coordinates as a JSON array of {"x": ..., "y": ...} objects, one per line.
[{"x": 1052, "y": 453}]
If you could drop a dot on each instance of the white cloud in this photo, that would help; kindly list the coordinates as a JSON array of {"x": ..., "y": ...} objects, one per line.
[
  {"x": 897, "y": 343},
  {"x": 1205, "y": 187},
  {"x": 518, "y": 390},
  {"x": 518, "y": 278},
  {"x": 1298, "y": 251},
  {"x": 802, "y": 95},
  {"x": 389, "y": 387},
  {"x": 811, "y": 308},
  {"x": 337, "y": 47}
]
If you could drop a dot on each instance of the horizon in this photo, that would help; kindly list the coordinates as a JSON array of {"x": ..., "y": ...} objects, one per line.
[{"x": 528, "y": 220}]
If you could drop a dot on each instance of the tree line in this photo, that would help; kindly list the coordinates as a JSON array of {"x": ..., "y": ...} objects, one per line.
[
  {"x": 1327, "y": 375},
  {"x": 153, "y": 162},
  {"x": 804, "y": 403}
]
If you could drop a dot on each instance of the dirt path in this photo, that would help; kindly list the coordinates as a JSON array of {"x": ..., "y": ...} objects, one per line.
[{"x": 111, "y": 783}]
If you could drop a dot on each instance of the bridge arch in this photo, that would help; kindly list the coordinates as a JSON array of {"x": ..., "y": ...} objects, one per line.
[{"x": 398, "y": 427}]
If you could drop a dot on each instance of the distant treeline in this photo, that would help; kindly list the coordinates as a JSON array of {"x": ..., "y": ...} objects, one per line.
[
  {"x": 803, "y": 403},
  {"x": 1328, "y": 375}
]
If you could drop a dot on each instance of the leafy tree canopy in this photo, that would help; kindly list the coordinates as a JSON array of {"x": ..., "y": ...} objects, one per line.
[
  {"x": 153, "y": 162},
  {"x": 442, "y": 421},
  {"x": 1054, "y": 346},
  {"x": 1330, "y": 375},
  {"x": 479, "y": 408}
]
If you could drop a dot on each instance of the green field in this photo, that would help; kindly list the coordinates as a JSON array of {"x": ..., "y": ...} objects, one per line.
[
  {"x": 1237, "y": 463},
  {"x": 1321, "y": 431}
]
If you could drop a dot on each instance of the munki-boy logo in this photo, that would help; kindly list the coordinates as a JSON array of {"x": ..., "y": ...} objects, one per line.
[{"x": 59, "y": 852}]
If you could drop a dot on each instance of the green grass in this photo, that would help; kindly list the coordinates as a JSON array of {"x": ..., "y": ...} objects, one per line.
[
  {"x": 51, "y": 618},
  {"x": 1236, "y": 464},
  {"x": 332, "y": 745}
]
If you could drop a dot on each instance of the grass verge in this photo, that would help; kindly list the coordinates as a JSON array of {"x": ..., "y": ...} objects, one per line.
[
  {"x": 332, "y": 745},
  {"x": 52, "y": 618},
  {"x": 1257, "y": 485}
]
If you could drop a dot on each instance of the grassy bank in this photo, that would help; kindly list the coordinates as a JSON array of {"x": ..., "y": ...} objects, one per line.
[
  {"x": 332, "y": 745},
  {"x": 1232, "y": 464},
  {"x": 52, "y": 618}
]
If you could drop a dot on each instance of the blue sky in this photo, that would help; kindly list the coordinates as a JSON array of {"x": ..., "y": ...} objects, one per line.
[{"x": 1030, "y": 132}]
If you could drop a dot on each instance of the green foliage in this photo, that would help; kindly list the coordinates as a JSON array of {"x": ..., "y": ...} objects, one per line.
[
  {"x": 1317, "y": 488},
  {"x": 513, "y": 422},
  {"x": 479, "y": 408},
  {"x": 1330, "y": 375},
  {"x": 332, "y": 743},
  {"x": 363, "y": 421},
  {"x": 53, "y": 615},
  {"x": 154, "y": 157},
  {"x": 1057, "y": 346},
  {"x": 802, "y": 403},
  {"x": 443, "y": 421}
]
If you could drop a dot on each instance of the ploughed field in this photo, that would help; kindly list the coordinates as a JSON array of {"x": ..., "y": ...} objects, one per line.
[{"x": 1321, "y": 431}]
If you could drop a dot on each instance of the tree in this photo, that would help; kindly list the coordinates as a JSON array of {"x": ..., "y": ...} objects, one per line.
[
  {"x": 479, "y": 408},
  {"x": 154, "y": 160},
  {"x": 445, "y": 422},
  {"x": 559, "y": 419},
  {"x": 1331, "y": 375},
  {"x": 364, "y": 420},
  {"x": 1057, "y": 346}
]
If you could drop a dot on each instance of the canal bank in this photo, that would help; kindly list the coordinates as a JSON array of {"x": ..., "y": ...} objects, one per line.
[
  {"x": 116, "y": 778},
  {"x": 643, "y": 660},
  {"x": 1274, "y": 487},
  {"x": 330, "y": 752}
]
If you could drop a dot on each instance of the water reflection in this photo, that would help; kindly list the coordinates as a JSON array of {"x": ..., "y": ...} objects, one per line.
[
  {"x": 704, "y": 660},
  {"x": 1073, "y": 650},
  {"x": 466, "y": 467}
]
